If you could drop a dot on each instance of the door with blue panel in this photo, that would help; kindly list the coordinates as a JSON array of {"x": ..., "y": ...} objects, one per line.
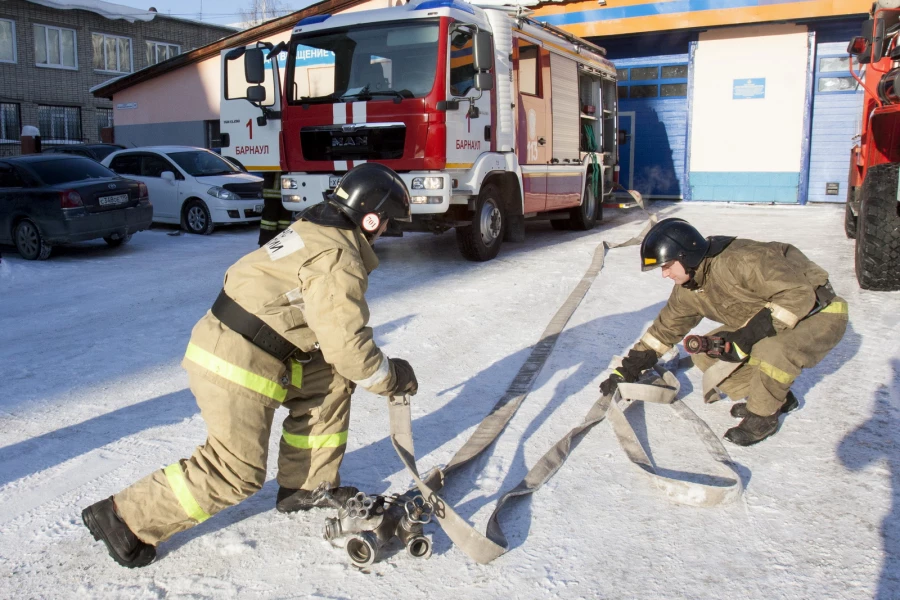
[
  {"x": 657, "y": 96},
  {"x": 626, "y": 149},
  {"x": 837, "y": 108}
]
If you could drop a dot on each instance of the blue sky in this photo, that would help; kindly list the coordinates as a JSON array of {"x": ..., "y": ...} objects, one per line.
[{"x": 219, "y": 12}]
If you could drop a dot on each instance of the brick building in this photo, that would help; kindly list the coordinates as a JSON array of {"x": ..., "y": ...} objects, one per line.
[{"x": 53, "y": 52}]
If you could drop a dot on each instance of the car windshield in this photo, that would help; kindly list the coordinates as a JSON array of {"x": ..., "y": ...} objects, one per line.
[
  {"x": 368, "y": 62},
  {"x": 199, "y": 163},
  {"x": 76, "y": 168},
  {"x": 101, "y": 152}
]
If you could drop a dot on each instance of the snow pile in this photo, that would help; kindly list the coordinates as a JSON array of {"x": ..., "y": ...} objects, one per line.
[{"x": 106, "y": 9}]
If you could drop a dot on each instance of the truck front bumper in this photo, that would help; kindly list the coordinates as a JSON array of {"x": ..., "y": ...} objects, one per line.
[{"x": 302, "y": 190}]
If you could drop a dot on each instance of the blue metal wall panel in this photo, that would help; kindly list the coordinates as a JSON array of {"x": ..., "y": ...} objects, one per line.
[
  {"x": 835, "y": 119},
  {"x": 660, "y": 135}
]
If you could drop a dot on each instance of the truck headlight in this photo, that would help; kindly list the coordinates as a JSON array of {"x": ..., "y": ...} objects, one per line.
[
  {"x": 428, "y": 183},
  {"x": 222, "y": 193},
  {"x": 425, "y": 200},
  {"x": 288, "y": 184}
]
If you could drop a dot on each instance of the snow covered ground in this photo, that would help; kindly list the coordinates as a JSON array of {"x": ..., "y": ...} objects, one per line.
[{"x": 92, "y": 398}]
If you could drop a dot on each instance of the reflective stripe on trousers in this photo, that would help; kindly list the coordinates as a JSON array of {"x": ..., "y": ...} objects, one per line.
[
  {"x": 243, "y": 377},
  {"x": 177, "y": 482}
]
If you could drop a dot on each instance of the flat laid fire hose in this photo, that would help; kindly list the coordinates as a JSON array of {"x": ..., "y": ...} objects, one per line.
[{"x": 484, "y": 548}]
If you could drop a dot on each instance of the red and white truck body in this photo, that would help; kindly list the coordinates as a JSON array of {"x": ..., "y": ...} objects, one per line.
[{"x": 490, "y": 118}]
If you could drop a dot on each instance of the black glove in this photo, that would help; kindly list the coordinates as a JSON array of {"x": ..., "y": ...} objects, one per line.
[
  {"x": 742, "y": 340},
  {"x": 406, "y": 378},
  {"x": 633, "y": 365}
]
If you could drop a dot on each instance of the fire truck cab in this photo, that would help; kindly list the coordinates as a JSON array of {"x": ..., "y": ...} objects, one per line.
[{"x": 490, "y": 117}]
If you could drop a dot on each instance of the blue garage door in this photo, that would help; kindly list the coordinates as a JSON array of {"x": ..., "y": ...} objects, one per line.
[
  {"x": 654, "y": 90},
  {"x": 837, "y": 108}
]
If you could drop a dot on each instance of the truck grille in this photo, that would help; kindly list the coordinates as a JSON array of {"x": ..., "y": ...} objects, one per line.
[
  {"x": 247, "y": 191},
  {"x": 336, "y": 142}
]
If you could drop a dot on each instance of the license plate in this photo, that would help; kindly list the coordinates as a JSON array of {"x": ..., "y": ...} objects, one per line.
[
  {"x": 110, "y": 200},
  {"x": 333, "y": 181},
  {"x": 258, "y": 208}
]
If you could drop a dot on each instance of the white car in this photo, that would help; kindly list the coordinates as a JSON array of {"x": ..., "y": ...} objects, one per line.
[{"x": 191, "y": 186}]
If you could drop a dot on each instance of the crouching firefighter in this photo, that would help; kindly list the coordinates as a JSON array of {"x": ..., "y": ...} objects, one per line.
[
  {"x": 778, "y": 310},
  {"x": 275, "y": 218},
  {"x": 288, "y": 329}
]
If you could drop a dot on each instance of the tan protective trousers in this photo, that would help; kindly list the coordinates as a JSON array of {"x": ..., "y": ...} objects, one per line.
[
  {"x": 775, "y": 362},
  {"x": 231, "y": 465}
]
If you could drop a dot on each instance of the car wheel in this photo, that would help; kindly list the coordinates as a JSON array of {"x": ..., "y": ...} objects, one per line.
[
  {"x": 30, "y": 243},
  {"x": 481, "y": 240},
  {"x": 114, "y": 241},
  {"x": 195, "y": 218}
]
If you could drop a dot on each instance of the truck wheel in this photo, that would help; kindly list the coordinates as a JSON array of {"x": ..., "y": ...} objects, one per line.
[
  {"x": 850, "y": 221},
  {"x": 195, "y": 218},
  {"x": 30, "y": 243},
  {"x": 481, "y": 240},
  {"x": 878, "y": 235},
  {"x": 584, "y": 217}
]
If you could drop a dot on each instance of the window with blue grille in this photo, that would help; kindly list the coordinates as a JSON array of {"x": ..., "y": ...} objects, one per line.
[
  {"x": 833, "y": 75},
  {"x": 653, "y": 81}
]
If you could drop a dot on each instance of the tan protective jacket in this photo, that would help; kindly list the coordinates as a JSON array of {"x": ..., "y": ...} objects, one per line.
[
  {"x": 309, "y": 285},
  {"x": 733, "y": 286}
]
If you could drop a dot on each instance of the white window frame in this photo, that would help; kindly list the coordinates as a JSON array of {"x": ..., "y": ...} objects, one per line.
[
  {"x": 15, "y": 51},
  {"x": 49, "y": 65},
  {"x": 106, "y": 58},
  {"x": 155, "y": 44}
]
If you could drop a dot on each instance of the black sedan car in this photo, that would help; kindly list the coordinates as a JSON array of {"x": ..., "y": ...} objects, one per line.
[
  {"x": 96, "y": 151},
  {"x": 57, "y": 198}
]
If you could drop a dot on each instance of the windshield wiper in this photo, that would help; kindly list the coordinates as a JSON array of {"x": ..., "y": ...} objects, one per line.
[
  {"x": 366, "y": 94},
  {"x": 318, "y": 99}
]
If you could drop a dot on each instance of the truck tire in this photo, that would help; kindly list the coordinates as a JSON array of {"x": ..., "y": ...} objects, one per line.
[
  {"x": 584, "y": 216},
  {"x": 850, "y": 222},
  {"x": 30, "y": 244},
  {"x": 480, "y": 241},
  {"x": 878, "y": 234}
]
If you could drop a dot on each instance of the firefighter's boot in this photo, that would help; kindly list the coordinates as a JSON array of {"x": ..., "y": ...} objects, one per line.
[
  {"x": 753, "y": 429},
  {"x": 290, "y": 500},
  {"x": 791, "y": 404},
  {"x": 105, "y": 524}
]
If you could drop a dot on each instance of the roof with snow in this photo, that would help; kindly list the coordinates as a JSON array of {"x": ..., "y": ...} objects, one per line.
[{"x": 106, "y": 9}]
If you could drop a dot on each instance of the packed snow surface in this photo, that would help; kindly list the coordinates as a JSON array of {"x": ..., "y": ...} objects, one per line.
[{"x": 92, "y": 398}]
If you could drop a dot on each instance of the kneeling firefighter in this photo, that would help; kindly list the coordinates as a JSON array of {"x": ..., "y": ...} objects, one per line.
[
  {"x": 780, "y": 315},
  {"x": 288, "y": 329}
]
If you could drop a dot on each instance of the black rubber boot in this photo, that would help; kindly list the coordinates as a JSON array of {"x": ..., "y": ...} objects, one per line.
[
  {"x": 290, "y": 500},
  {"x": 791, "y": 404},
  {"x": 752, "y": 429},
  {"x": 107, "y": 526}
]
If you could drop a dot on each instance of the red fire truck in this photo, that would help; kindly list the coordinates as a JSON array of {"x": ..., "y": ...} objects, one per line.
[
  {"x": 873, "y": 197},
  {"x": 490, "y": 117}
]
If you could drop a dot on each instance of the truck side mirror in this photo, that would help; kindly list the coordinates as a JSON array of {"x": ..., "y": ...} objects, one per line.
[
  {"x": 484, "y": 82},
  {"x": 256, "y": 94},
  {"x": 254, "y": 65},
  {"x": 857, "y": 46},
  {"x": 873, "y": 33},
  {"x": 484, "y": 51}
]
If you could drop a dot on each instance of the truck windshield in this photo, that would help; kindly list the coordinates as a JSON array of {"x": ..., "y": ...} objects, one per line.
[{"x": 387, "y": 60}]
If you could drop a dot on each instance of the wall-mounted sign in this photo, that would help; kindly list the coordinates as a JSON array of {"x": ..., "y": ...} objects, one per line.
[
  {"x": 126, "y": 105},
  {"x": 747, "y": 89}
]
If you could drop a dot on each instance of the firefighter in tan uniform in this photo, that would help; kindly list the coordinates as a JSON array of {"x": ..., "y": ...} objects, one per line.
[
  {"x": 288, "y": 329},
  {"x": 778, "y": 310},
  {"x": 275, "y": 218}
]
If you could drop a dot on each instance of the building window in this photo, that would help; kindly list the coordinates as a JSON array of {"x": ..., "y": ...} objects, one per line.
[
  {"x": 9, "y": 123},
  {"x": 160, "y": 51},
  {"x": 834, "y": 75},
  {"x": 111, "y": 53},
  {"x": 661, "y": 81},
  {"x": 7, "y": 41},
  {"x": 55, "y": 47},
  {"x": 104, "y": 120},
  {"x": 59, "y": 123}
]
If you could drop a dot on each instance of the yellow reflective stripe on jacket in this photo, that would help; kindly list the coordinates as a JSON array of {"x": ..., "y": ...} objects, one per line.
[
  {"x": 296, "y": 374},
  {"x": 836, "y": 307},
  {"x": 309, "y": 442},
  {"x": 780, "y": 313},
  {"x": 772, "y": 371},
  {"x": 177, "y": 482},
  {"x": 235, "y": 374},
  {"x": 652, "y": 342}
]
